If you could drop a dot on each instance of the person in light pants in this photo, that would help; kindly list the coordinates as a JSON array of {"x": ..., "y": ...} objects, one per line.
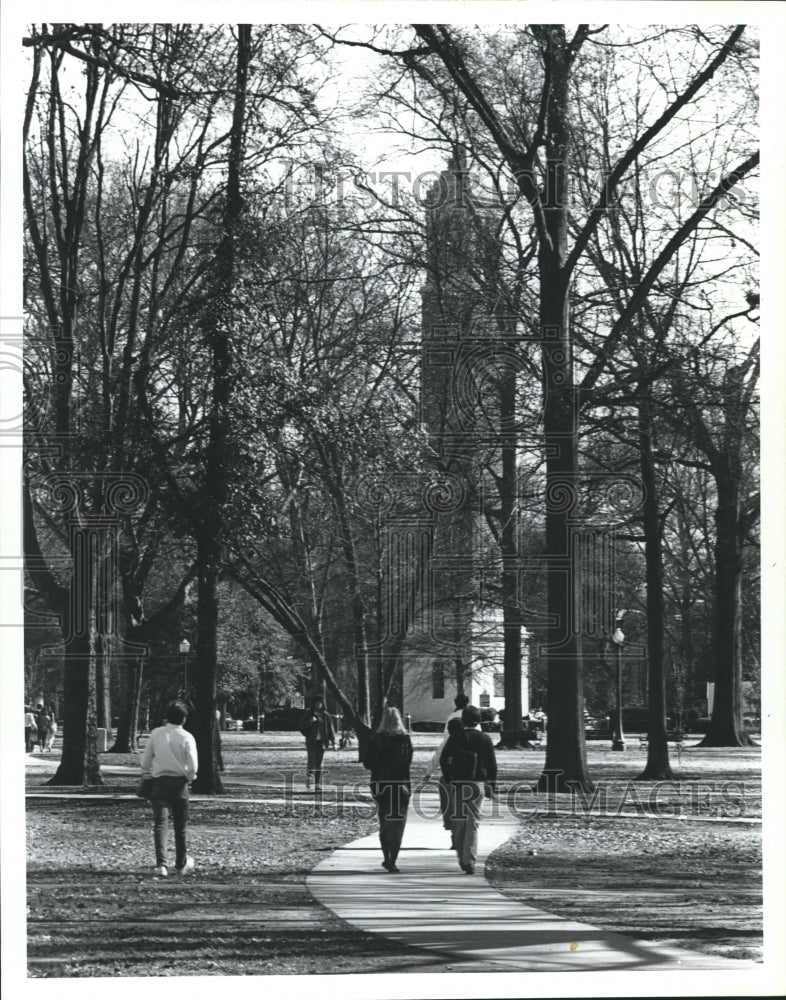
[
  {"x": 460, "y": 701},
  {"x": 467, "y": 788}
]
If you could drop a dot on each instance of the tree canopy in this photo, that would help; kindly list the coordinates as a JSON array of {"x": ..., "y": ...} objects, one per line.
[{"x": 261, "y": 356}]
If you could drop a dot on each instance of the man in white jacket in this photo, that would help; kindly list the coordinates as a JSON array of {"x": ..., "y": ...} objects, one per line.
[
  {"x": 460, "y": 701},
  {"x": 170, "y": 759}
]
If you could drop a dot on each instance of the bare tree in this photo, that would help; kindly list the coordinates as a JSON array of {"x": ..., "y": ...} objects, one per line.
[{"x": 545, "y": 185}]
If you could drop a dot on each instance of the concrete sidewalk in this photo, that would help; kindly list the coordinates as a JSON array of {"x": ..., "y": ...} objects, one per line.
[{"x": 434, "y": 906}]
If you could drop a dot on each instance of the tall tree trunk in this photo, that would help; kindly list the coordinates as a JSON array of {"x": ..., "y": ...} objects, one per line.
[
  {"x": 103, "y": 682},
  {"x": 218, "y": 466},
  {"x": 130, "y": 682},
  {"x": 204, "y": 723},
  {"x": 658, "y": 766},
  {"x": 724, "y": 729},
  {"x": 510, "y": 736},
  {"x": 79, "y": 757},
  {"x": 566, "y": 754},
  {"x": 355, "y": 590},
  {"x": 686, "y": 622}
]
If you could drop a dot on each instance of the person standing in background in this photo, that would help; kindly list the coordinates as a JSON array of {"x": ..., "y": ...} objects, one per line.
[
  {"x": 52, "y": 730},
  {"x": 43, "y": 723},
  {"x": 31, "y": 729},
  {"x": 317, "y": 727}
]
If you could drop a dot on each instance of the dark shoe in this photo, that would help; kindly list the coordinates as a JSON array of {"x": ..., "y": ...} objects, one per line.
[
  {"x": 469, "y": 869},
  {"x": 393, "y": 868}
]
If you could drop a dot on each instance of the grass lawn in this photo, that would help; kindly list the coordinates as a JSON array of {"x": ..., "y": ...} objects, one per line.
[{"x": 679, "y": 863}]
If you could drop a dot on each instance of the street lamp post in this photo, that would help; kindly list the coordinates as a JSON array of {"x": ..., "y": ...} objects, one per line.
[
  {"x": 618, "y": 638},
  {"x": 185, "y": 649}
]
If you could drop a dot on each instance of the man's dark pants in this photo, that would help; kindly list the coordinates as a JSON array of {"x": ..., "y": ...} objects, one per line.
[{"x": 170, "y": 794}]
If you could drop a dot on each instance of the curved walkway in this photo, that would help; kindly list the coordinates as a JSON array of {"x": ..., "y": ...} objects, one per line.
[
  {"x": 460, "y": 919},
  {"x": 434, "y": 906}
]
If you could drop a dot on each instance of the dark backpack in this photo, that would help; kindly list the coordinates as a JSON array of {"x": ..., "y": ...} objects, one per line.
[{"x": 462, "y": 764}]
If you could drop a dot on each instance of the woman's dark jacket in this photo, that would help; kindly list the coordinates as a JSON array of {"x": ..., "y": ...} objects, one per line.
[
  {"x": 317, "y": 727},
  {"x": 388, "y": 756}
]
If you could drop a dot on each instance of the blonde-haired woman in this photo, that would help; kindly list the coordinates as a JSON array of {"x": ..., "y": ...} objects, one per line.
[{"x": 388, "y": 757}]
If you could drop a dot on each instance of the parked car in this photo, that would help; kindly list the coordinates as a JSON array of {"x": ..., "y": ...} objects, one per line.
[
  {"x": 283, "y": 719},
  {"x": 488, "y": 720},
  {"x": 635, "y": 719}
]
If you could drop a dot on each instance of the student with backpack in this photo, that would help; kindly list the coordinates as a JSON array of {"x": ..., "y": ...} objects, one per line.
[
  {"x": 388, "y": 756},
  {"x": 460, "y": 701},
  {"x": 469, "y": 761}
]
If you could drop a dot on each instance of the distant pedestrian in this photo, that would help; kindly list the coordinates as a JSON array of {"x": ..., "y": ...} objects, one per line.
[
  {"x": 317, "y": 727},
  {"x": 460, "y": 701},
  {"x": 52, "y": 730},
  {"x": 31, "y": 729},
  {"x": 170, "y": 759},
  {"x": 388, "y": 756},
  {"x": 217, "y": 741},
  {"x": 472, "y": 767},
  {"x": 43, "y": 723}
]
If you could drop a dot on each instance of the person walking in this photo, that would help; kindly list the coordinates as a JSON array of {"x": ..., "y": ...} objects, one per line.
[
  {"x": 52, "y": 730},
  {"x": 31, "y": 729},
  {"x": 43, "y": 724},
  {"x": 170, "y": 759},
  {"x": 389, "y": 756},
  {"x": 317, "y": 727},
  {"x": 460, "y": 701},
  {"x": 457, "y": 763},
  {"x": 471, "y": 765}
]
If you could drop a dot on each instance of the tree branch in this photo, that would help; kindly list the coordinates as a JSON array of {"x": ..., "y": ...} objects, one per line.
[
  {"x": 54, "y": 593},
  {"x": 640, "y": 295},
  {"x": 134, "y": 76},
  {"x": 520, "y": 161},
  {"x": 612, "y": 181}
]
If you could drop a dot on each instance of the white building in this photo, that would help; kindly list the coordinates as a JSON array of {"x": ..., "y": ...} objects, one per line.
[{"x": 429, "y": 682}]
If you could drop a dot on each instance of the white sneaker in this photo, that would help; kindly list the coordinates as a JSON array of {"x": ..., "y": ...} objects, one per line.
[
  {"x": 162, "y": 870},
  {"x": 188, "y": 867}
]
